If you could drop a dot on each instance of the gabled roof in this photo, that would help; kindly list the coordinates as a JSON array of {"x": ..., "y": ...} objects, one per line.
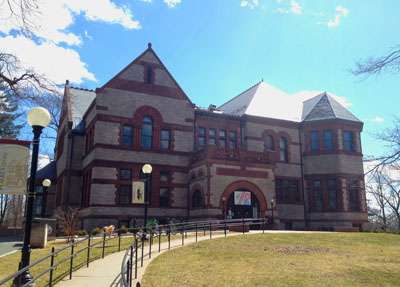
[
  {"x": 265, "y": 100},
  {"x": 148, "y": 56},
  {"x": 324, "y": 107},
  {"x": 78, "y": 101}
]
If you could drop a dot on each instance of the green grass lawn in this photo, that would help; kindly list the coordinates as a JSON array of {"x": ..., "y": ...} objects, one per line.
[{"x": 319, "y": 259}]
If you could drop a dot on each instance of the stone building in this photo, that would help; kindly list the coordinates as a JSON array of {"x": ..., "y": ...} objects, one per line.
[{"x": 241, "y": 159}]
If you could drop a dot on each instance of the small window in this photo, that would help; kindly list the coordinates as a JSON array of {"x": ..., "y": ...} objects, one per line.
[
  {"x": 125, "y": 174},
  {"x": 212, "y": 134},
  {"x": 332, "y": 194},
  {"x": 165, "y": 139},
  {"x": 164, "y": 197},
  {"x": 164, "y": 176},
  {"x": 269, "y": 143},
  {"x": 283, "y": 149},
  {"x": 328, "y": 140},
  {"x": 222, "y": 138},
  {"x": 127, "y": 135},
  {"x": 201, "y": 137},
  {"x": 149, "y": 75},
  {"x": 147, "y": 132},
  {"x": 354, "y": 196},
  {"x": 232, "y": 140},
  {"x": 124, "y": 194},
  {"x": 314, "y": 140},
  {"x": 348, "y": 141}
]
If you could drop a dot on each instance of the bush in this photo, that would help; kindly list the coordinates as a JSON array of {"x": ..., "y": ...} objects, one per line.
[
  {"x": 96, "y": 231},
  {"x": 81, "y": 232},
  {"x": 123, "y": 230}
]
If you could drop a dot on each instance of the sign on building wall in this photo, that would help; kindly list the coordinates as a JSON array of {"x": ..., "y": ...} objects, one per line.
[
  {"x": 14, "y": 160},
  {"x": 138, "y": 192},
  {"x": 242, "y": 198}
]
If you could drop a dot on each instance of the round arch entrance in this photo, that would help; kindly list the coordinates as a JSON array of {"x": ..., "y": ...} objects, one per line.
[{"x": 243, "y": 199}]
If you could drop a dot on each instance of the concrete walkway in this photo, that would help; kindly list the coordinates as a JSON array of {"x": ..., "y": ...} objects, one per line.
[{"x": 106, "y": 272}]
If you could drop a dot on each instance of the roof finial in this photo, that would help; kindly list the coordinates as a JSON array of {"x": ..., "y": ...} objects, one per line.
[
  {"x": 67, "y": 82},
  {"x": 149, "y": 45}
]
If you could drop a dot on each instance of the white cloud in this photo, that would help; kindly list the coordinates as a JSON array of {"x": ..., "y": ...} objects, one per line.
[
  {"x": 57, "y": 16},
  {"x": 46, "y": 58},
  {"x": 172, "y": 3},
  {"x": 377, "y": 119},
  {"x": 249, "y": 3},
  {"x": 292, "y": 7},
  {"x": 340, "y": 12}
]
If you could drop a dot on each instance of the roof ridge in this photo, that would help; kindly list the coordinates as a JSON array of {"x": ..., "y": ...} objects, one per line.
[
  {"x": 82, "y": 89},
  {"x": 248, "y": 89},
  {"x": 330, "y": 103}
]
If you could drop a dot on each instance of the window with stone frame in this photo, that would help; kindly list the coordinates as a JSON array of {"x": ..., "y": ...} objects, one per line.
[
  {"x": 212, "y": 136},
  {"x": 232, "y": 139},
  {"x": 124, "y": 193},
  {"x": 283, "y": 149},
  {"x": 287, "y": 191},
  {"x": 328, "y": 139},
  {"x": 201, "y": 137},
  {"x": 269, "y": 144},
  {"x": 353, "y": 192},
  {"x": 165, "y": 139},
  {"x": 348, "y": 141},
  {"x": 147, "y": 133},
  {"x": 164, "y": 176},
  {"x": 314, "y": 140},
  {"x": 127, "y": 135},
  {"x": 332, "y": 192},
  {"x": 125, "y": 174},
  {"x": 164, "y": 197},
  {"x": 317, "y": 196},
  {"x": 222, "y": 139}
]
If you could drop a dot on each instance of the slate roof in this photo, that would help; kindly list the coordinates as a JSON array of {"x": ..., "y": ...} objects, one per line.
[
  {"x": 265, "y": 100},
  {"x": 48, "y": 171},
  {"x": 79, "y": 102}
]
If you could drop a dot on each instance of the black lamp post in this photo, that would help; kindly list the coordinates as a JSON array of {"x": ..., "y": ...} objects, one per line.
[
  {"x": 272, "y": 211},
  {"x": 46, "y": 184},
  {"x": 146, "y": 169},
  {"x": 224, "y": 206},
  {"x": 38, "y": 118}
]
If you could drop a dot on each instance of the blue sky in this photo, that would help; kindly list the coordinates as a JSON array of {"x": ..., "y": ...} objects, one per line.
[{"x": 215, "y": 49}]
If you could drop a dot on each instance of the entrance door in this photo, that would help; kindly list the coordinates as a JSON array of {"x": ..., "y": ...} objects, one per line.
[{"x": 242, "y": 204}]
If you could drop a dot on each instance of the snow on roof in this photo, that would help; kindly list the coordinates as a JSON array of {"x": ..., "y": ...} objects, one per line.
[{"x": 265, "y": 100}]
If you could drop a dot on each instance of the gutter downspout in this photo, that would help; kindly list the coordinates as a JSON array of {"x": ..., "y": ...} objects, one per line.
[{"x": 302, "y": 179}]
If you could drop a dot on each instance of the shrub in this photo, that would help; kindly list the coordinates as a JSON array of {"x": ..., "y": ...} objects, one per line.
[
  {"x": 123, "y": 229},
  {"x": 82, "y": 232},
  {"x": 96, "y": 231}
]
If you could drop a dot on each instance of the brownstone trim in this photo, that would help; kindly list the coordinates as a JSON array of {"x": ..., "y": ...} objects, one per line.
[
  {"x": 242, "y": 173},
  {"x": 271, "y": 121}
]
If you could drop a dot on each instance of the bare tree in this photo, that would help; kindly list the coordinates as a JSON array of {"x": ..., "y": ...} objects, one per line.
[
  {"x": 375, "y": 65},
  {"x": 378, "y": 207},
  {"x": 4, "y": 205},
  {"x": 68, "y": 218},
  {"x": 22, "y": 13}
]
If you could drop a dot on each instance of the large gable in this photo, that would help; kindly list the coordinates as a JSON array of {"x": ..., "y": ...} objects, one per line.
[{"x": 135, "y": 77}]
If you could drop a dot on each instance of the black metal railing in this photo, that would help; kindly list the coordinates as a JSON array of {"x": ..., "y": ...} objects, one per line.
[
  {"x": 134, "y": 255},
  {"x": 57, "y": 257}
]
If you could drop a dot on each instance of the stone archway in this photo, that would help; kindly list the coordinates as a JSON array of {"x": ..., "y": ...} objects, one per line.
[{"x": 243, "y": 185}]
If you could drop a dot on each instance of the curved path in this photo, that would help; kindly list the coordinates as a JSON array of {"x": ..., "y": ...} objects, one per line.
[{"x": 106, "y": 272}]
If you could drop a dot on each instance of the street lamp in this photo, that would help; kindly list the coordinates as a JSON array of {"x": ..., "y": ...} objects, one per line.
[
  {"x": 272, "y": 211},
  {"x": 146, "y": 169},
  {"x": 38, "y": 118},
  {"x": 46, "y": 184}
]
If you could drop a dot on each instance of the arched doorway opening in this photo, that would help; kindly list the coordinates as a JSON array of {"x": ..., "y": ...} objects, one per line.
[
  {"x": 243, "y": 199},
  {"x": 242, "y": 204}
]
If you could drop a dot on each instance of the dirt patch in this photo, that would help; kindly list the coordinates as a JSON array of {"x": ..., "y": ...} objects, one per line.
[{"x": 288, "y": 250}]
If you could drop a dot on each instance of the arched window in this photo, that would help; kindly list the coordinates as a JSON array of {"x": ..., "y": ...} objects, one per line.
[
  {"x": 147, "y": 132},
  {"x": 197, "y": 199},
  {"x": 283, "y": 149},
  {"x": 269, "y": 143}
]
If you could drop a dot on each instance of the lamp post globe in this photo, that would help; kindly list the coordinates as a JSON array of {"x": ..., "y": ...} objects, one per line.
[
  {"x": 146, "y": 169},
  {"x": 38, "y": 118},
  {"x": 46, "y": 182}
]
